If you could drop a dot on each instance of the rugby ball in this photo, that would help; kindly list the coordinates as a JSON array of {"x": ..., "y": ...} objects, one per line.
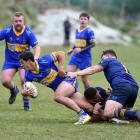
[{"x": 30, "y": 85}]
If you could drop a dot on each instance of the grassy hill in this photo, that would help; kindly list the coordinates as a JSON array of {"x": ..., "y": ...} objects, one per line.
[{"x": 51, "y": 121}]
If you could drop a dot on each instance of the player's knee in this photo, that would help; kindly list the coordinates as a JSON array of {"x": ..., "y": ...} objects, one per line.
[
  {"x": 5, "y": 82},
  {"x": 57, "y": 98}
]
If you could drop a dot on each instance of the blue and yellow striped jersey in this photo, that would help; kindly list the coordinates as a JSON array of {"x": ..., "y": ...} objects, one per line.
[
  {"x": 46, "y": 73},
  {"x": 17, "y": 42},
  {"x": 83, "y": 39}
]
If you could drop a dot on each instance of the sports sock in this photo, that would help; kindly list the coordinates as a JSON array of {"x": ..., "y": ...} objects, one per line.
[
  {"x": 26, "y": 102},
  {"x": 13, "y": 88},
  {"x": 81, "y": 112},
  {"x": 125, "y": 114}
]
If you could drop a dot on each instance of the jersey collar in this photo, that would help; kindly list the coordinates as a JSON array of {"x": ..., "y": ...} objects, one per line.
[
  {"x": 18, "y": 33},
  {"x": 83, "y": 28},
  {"x": 37, "y": 68}
]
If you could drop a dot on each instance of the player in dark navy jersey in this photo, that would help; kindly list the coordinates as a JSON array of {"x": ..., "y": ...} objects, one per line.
[
  {"x": 97, "y": 97},
  {"x": 45, "y": 72},
  {"x": 124, "y": 87},
  {"x": 82, "y": 56},
  {"x": 18, "y": 38}
]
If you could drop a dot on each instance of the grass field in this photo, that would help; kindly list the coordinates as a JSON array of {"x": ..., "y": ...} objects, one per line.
[{"x": 51, "y": 121}]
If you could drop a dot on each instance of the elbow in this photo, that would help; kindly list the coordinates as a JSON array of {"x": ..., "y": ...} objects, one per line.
[{"x": 62, "y": 53}]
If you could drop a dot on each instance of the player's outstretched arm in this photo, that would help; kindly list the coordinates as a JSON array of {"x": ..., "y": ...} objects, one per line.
[{"x": 87, "y": 71}]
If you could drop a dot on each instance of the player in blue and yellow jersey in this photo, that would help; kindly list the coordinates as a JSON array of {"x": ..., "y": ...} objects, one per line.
[
  {"x": 45, "y": 72},
  {"x": 18, "y": 38},
  {"x": 124, "y": 87},
  {"x": 82, "y": 56}
]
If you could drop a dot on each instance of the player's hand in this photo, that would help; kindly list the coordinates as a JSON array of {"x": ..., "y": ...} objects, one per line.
[
  {"x": 27, "y": 92},
  {"x": 61, "y": 73},
  {"x": 97, "y": 108},
  {"x": 69, "y": 51},
  {"x": 71, "y": 74},
  {"x": 108, "y": 91},
  {"x": 77, "y": 50}
]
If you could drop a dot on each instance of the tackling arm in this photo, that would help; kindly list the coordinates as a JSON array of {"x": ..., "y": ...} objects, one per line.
[
  {"x": 87, "y": 71},
  {"x": 90, "y": 70}
]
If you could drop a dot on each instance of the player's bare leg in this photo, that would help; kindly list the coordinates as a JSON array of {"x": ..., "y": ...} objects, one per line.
[
  {"x": 82, "y": 102},
  {"x": 6, "y": 79},
  {"x": 85, "y": 81},
  {"x": 63, "y": 96},
  {"x": 26, "y": 102},
  {"x": 71, "y": 68},
  {"x": 114, "y": 109}
]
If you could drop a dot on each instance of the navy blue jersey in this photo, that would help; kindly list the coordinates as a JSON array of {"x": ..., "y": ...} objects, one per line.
[
  {"x": 103, "y": 94},
  {"x": 116, "y": 73}
]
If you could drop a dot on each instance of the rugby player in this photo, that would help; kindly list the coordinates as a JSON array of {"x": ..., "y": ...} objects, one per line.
[
  {"x": 82, "y": 56},
  {"x": 18, "y": 38},
  {"x": 44, "y": 71},
  {"x": 124, "y": 87}
]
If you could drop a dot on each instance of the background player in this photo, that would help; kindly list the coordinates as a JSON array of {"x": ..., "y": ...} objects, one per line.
[
  {"x": 67, "y": 32},
  {"x": 124, "y": 87},
  {"x": 44, "y": 71},
  {"x": 18, "y": 38},
  {"x": 82, "y": 56}
]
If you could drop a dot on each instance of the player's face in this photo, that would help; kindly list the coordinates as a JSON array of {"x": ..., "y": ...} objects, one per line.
[
  {"x": 84, "y": 21},
  {"x": 26, "y": 64},
  {"x": 18, "y": 23},
  {"x": 96, "y": 99}
]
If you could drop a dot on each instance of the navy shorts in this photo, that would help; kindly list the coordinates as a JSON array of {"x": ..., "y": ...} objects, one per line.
[
  {"x": 80, "y": 62},
  {"x": 11, "y": 65},
  {"x": 72, "y": 81},
  {"x": 125, "y": 94}
]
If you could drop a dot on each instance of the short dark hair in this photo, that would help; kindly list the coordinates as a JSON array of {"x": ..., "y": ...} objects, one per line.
[
  {"x": 90, "y": 93},
  {"x": 84, "y": 14},
  {"x": 110, "y": 51},
  {"x": 26, "y": 56}
]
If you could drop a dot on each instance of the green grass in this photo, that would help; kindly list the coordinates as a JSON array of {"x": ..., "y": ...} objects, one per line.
[{"x": 51, "y": 121}]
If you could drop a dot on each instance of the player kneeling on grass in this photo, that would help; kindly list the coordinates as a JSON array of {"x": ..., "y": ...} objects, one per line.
[
  {"x": 97, "y": 97},
  {"x": 124, "y": 87},
  {"x": 44, "y": 71}
]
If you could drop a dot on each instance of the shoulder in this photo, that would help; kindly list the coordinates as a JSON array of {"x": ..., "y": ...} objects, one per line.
[
  {"x": 28, "y": 31},
  {"x": 46, "y": 59},
  {"x": 7, "y": 29},
  {"x": 102, "y": 92},
  {"x": 100, "y": 89},
  {"x": 90, "y": 30},
  {"x": 104, "y": 63}
]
